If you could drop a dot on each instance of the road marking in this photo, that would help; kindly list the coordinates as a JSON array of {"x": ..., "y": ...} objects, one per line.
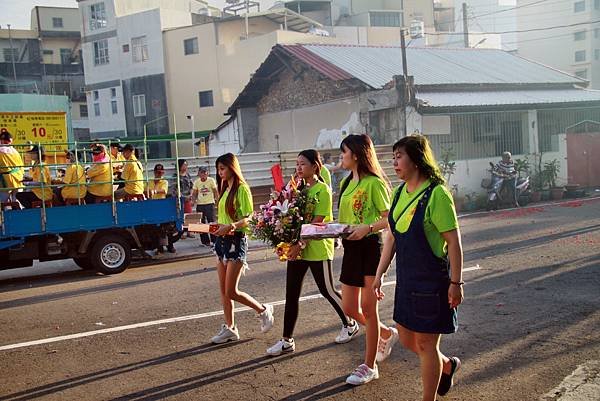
[
  {"x": 582, "y": 384},
  {"x": 164, "y": 321}
]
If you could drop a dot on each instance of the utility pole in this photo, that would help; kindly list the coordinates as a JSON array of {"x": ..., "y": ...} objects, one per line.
[
  {"x": 465, "y": 25},
  {"x": 405, "y": 75}
]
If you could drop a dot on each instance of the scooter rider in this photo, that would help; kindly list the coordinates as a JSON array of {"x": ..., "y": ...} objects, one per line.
[{"x": 506, "y": 168}]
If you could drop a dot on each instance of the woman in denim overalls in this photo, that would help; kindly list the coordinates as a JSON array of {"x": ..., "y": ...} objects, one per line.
[{"x": 425, "y": 238}]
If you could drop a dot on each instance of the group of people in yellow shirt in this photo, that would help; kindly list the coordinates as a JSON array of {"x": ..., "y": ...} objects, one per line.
[{"x": 109, "y": 168}]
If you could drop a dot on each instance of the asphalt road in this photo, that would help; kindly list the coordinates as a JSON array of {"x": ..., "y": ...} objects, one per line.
[{"x": 530, "y": 319}]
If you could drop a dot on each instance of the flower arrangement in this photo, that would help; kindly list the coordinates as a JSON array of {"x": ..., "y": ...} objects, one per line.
[{"x": 279, "y": 221}]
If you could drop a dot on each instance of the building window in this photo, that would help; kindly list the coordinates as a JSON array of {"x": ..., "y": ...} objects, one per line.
[
  {"x": 10, "y": 55},
  {"x": 126, "y": 48},
  {"x": 206, "y": 98},
  {"x": 190, "y": 46},
  {"x": 580, "y": 35},
  {"x": 65, "y": 56},
  {"x": 113, "y": 92},
  {"x": 97, "y": 109},
  {"x": 101, "y": 52},
  {"x": 139, "y": 47},
  {"x": 57, "y": 22},
  {"x": 47, "y": 52},
  {"x": 113, "y": 106},
  {"x": 597, "y": 54},
  {"x": 96, "y": 95},
  {"x": 385, "y": 19},
  {"x": 579, "y": 56},
  {"x": 139, "y": 105},
  {"x": 83, "y": 112},
  {"x": 581, "y": 74},
  {"x": 97, "y": 16},
  {"x": 579, "y": 6}
]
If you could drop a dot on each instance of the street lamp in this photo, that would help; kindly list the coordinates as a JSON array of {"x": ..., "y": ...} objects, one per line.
[
  {"x": 12, "y": 54},
  {"x": 191, "y": 117}
]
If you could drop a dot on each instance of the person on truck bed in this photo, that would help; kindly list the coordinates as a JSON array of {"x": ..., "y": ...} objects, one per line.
[
  {"x": 158, "y": 187},
  {"x": 99, "y": 176},
  {"x": 133, "y": 175},
  {"x": 40, "y": 180},
  {"x": 74, "y": 180},
  {"x": 11, "y": 167}
]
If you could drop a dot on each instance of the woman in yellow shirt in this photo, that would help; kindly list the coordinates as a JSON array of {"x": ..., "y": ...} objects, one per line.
[
  {"x": 40, "y": 180},
  {"x": 158, "y": 187},
  {"x": 74, "y": 180},
  {"x": 99, "y": 176}
]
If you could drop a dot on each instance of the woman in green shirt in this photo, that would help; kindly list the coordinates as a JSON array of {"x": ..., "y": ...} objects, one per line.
[
  {"x": 425, "y": 238},
  {"x": 315, "y": 255},
  {"x": 364, "y": 203},
  {"x": 234, "y": 209}
]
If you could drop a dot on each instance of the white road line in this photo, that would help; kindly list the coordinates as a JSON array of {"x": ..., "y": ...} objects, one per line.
[{"x": 163, "y": 321}]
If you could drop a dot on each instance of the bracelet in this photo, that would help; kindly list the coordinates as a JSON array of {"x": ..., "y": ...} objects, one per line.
[
  {"x": 232, "y": 227},
  {"x": 459, "y": 283},
  {"x": 301, "y": 244},
  {"x": 371, "y": 228}
]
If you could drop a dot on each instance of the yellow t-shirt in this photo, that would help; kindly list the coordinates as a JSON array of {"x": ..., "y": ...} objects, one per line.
[
  {"x": 41, "y": 174},
  {"x": 160, "y": 185},
  {"x": 117, "y": 161},
  {"x": 100, "y": 173},
  {"x": 75, "y": 176},
  {"x": 11, "y": 163},
  {"x": 206, "y": 195},
  {"x": 133, "y": 176}
]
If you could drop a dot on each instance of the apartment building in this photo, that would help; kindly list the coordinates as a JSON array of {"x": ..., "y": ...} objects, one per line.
[
  {"x": 46, "y": 59},
  {"x": 574, "y": 49}
]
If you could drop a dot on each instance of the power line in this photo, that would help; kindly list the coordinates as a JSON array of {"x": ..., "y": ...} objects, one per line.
[
  {"x": 518, "y": 30},
  {"x": 512, "y": 8}
]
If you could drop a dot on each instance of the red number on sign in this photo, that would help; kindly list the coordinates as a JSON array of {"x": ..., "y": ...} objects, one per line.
[{"x": 42, "y": 132}]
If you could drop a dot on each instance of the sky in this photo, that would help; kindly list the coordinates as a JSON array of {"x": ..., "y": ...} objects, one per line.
[{"x": 17, "y": 13}]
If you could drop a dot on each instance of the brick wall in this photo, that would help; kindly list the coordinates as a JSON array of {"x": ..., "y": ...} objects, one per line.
[{"x": 291, "y": 92}]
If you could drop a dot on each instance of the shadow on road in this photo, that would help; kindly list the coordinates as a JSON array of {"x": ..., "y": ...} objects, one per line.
[
  {"x": 107, "y": 373},
  {"x": 192, "y": 383}
]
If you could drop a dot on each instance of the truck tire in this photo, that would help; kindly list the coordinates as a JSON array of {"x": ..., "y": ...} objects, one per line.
[
  {"x": 83, "y": 262},
  {"x": 110, "y": 254}
]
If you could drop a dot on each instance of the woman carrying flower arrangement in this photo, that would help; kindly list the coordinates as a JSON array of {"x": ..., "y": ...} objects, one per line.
[
  {"x": 315, "y": 255},
  {"x": 234, "y": 208}
]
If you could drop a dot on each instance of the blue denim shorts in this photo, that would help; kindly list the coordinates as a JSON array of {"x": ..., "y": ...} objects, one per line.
[{"x": 232, "y": 247}]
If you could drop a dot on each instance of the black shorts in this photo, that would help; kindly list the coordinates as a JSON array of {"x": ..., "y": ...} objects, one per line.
[{"x": 361, "y": 259}]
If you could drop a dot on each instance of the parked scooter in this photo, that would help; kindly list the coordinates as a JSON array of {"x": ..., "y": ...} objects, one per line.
[{"x": 502, "y": 188}]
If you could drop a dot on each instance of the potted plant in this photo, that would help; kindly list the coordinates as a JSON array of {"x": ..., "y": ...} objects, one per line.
[
  {"x": 551, "y": 170},
  {"x": 522, "y": 166}
]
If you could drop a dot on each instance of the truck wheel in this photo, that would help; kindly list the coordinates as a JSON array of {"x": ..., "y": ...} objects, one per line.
[
  {"x": 84, "y": 262},
  {"x": 111, "y": 254}
]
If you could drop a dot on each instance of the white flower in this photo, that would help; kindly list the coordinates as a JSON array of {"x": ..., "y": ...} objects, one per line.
[{"x": 282, "y": 207}]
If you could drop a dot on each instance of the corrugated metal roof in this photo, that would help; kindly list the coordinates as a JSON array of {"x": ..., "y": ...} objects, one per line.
[
  {"x": 503, "y": 98},
  {"x": 324, "y": 67},
  {"x": 376, "y": 66}
]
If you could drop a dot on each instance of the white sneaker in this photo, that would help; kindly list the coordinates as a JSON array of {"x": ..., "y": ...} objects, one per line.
[
  {"x": 282, "y": 346},
  {"x": 347, "y": 333},
  {"x": 226, "y": 334},
  {"x": 266, "y": 318},
  {"x": 362, "y": 375},
  {"x": 384, "y": 348}
]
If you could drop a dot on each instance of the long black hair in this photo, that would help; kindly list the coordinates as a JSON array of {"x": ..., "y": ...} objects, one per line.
[
  {"x": 362, "y": 147},
  {"x": 314, "y": 157},
  {"x": 230, "y": 161},
  {"x": 419, "y": 151}
]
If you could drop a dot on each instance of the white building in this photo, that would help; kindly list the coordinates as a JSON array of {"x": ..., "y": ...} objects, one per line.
[
  {"x": 124, "y": 62},
  {"x": 574, "y": 49}
]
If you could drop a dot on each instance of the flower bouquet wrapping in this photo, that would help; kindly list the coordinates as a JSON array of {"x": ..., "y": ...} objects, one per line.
[{"x": 279, "y": 221}]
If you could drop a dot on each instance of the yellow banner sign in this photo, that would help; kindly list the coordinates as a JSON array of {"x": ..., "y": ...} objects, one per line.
[{"x": 47, "y": 128}]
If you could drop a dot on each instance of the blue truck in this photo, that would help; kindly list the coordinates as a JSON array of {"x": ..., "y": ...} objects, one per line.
[{"x": 97, "y": 237}]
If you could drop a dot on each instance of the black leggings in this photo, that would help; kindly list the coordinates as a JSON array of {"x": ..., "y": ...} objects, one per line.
[{"x": 321, "y": 271}]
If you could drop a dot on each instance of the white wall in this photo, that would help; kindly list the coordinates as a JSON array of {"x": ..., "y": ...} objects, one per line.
[
  {"x": 225, "y": 140},
  {"x": 106, "y": 121}
]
